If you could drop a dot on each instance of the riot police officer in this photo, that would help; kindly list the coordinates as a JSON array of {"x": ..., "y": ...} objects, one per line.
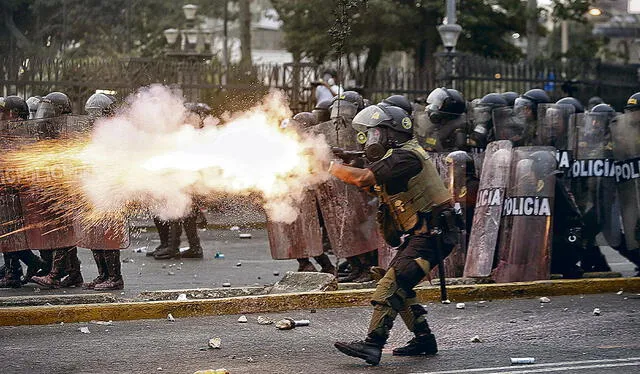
[
  {"x": 13, "y": 108},
  {"x": 446, "y": 112},
  {"x": 510, "y": 97},
  {"x": 483, "y": 132},
  {"x": 65, "y": 265},
  {"x": 345, "y": 106},
  {"x": 322, "y": 112},
  {"x": 413, "y": 201}
]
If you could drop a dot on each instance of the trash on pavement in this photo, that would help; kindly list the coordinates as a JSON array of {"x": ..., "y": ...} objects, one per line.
[
  {"x": 182, "y": 297},
  {"x": 264, "y": 321},
  {"x": 245, "y": 236},
  {"x": 290, "y": 323},
  {"x": 522, "y": 360},
  {"x": 596, "y": 312},
  {"x": 276, "y": 273},
  {"x": 84, "y": 330},
  {"x": 219, "y": 255},
  {"x": 476, "y": 339},
  {"x": 212, "y": 371},
  {"x": 102, "y": 323},
  {"x": 234, "y": 228},
  {"x": 460, "y": 306},
  {"x": 226, "y": 284},
  {"x": 127, "y": 260},
  {"x": 214, "y": 343},
  {"x": 545, "y": 299},
  {"x": 242, "y": 319},
  {"x": 170, "y": 318},
  {"x": 619, "y": 292},
  {"x": 239, "y": 264}
]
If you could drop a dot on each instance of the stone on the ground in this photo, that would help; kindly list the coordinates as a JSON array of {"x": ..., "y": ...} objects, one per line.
[
  {"x": 215, "y": 343},
  {"x": 242, "y": 319},
  {"x": 264, "y": 321},
  {"x": 545, "y": 299},
  {"x": 170, "y": 318},
  {"x": 460, "y": 306},
  {"x": 596, "y": 312},
  {"x": 84, "y": 330},
  {"x": 305, "y": 282},
  {"x": 182, "y": 297},
  {"x": 476, "y": 339}
]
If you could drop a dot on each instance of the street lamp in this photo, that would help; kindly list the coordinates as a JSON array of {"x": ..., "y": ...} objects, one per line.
[
  {"x": 190, "y": 11},
  {"x": 449, "y": 34},
  {"x": 194, "y": 40}
]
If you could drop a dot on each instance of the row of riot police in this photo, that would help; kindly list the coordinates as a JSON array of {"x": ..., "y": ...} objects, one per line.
[
  {"x": 28, "y": 223},
  {"x": 534, "y": 179}
]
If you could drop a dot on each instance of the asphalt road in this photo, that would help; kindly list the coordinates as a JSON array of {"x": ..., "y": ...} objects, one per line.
[
  {"x": 143, "y": 273},
  {"x": 563, "y": 336}
]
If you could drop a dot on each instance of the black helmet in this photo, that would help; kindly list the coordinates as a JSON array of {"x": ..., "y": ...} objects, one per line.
[
  {"x": 459, "y": 157},
  {"x": 352, "y": 97},
  {"x": 444, "y": 104},
  {"x": 493, "y": 100},
  {"x": 579, "y": 108},
  {"x": 15, "y": 107},
  {"x": 306, "y": 119},
  {"x": 633, "y": 103},
  {"x": 593, "y": 101},
  {"x": 99, "y": 104},
  {"x": 399, "y": 101},
  {"x": 381, "y": 127},
  {"x": 510, "y": 97},
  {"x": 603, "y": 108},
  {"x": 321, "y": 111},
  {"x": 531, "y": 99},
  {"x": 61, "y": 101}
]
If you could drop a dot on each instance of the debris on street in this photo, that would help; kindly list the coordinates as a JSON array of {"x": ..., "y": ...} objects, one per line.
[
  {"x": 476, "y": 339},
  {"x": 219, "y": 255},
  {"x": 182, "y": 297},
  {"x": 102, "y": 323},
  {"x": 84, "y": 330},
  {"x": 214, "y": 343},
  {"x": 170, "y": 318},
  {"x": 264, "y": 321},
  {"x": 234, "y": 228},
  {"x": 522, "y": 360},
  {"x": 545, "y": 300},
  {"x": 460, "y": 306},
  {"x": 242, "y": 319},
  {"x": 226, "y": 284},
  {"x": 212, "y": 371},
  {"x": 290, "y": 323},
  {"x": 596, "y": 312},
  {"x": 245, "y": 236}
]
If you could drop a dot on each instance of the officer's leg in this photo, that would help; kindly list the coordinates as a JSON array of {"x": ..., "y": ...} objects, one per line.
[
  {"x": 633, "y": 254},
  {"x": 390, "y": 296}
]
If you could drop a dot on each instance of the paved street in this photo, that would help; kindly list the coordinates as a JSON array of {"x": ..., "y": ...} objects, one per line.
[
  {"x": 257, "y": 267},
  {"x": 564, "y": 330}
]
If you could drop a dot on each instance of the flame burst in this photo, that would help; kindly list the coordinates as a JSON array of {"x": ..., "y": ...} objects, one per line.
[{"x": 148, "y": 157}]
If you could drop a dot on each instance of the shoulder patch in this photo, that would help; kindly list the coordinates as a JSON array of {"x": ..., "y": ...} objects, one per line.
[
  {"x": 375, "y": 115},
  {"x": 406, "y": 123},
  {"x": 389, "y": 152}
]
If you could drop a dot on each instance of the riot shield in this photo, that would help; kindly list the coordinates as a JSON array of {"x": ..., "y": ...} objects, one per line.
[
  {"x": 456, "y": 171},
  {"x": 114, "y": 235},
  {"x": 425, "y": 131},
  {"x": 553, "y": 126},
  {"x": 593, "y": 178},
  {"x": 524, "y": 252},
  {"x": 300, "y": 239},
  {"x": 43, "y": 228},
  {"x": 513, "y": 124},
  {"x": 349, "y": 218},
  {"x": 488, "y": 209},
  {"x": 626, "y": 149},
  {"x": 337, "y": 133}
]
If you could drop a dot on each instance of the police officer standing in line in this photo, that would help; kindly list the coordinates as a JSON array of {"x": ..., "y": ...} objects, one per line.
[
  {"x": 446, "y": 109},
  {"x": 413, "y": 199}
]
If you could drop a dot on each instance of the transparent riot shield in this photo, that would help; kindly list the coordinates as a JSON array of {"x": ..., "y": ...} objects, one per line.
[
  {"x": 554, "y": 122},
  {"x": 626, "y": 149},
  {"x": 524, "y": 251},
  {"x": 338, "y": 133},
  {"x": 43, "y": 228},
  {"x": 349, "y": 217},
  {"x": 593, "y": 178},
  {"x": 300, "y": 239},
  {"x": 513, "y": 124},
  {"x": 425, "y": 131},
  {"x": 488, "y": 209}
]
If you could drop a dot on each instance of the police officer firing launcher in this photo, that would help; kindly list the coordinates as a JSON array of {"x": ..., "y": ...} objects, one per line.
[{"x": 413, "y": 201}]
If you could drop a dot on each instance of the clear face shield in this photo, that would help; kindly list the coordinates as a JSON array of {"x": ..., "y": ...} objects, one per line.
[
  {"x": 46, "y": 109},
  {"x": 344, "y": 109}
]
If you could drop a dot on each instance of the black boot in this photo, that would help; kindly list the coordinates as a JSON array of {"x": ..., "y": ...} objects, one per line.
[
  {"x": 367, "y": 350},
  {"x": 164, "y": 228},
  {"x": 115, "y": 281},
  {"x": 191, "y": 230},
  {"x": 305, "y": 265},
  {"x": 47, "y": 258},
  {"x": 173, "y": 248},
  {"x": 58, "y": 270},
  {"x": 418, "y": 346},
  {"x": 325, "y": 263},
  {"x": 98, "y": 256},
  {"x": 34, "y": 264},
  {"x": 74, "y": 276},
  {"x": 13, "y": 271},
  {"x": 356, "y": 270}
]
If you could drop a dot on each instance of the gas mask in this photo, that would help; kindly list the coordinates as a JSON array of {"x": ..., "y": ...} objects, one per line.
[
  {"x": 377, "y": 141},
  {"x": 483, "y": 124}
]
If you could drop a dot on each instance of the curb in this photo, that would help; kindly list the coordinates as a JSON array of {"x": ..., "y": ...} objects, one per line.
[{"x": 43, "y": 315}]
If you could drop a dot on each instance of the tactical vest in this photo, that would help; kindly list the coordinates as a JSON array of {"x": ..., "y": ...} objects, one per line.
[{"x": 424, "y": 192}]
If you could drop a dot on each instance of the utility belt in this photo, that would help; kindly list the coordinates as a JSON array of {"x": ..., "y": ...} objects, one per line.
[{"x": 443, "y": 220}]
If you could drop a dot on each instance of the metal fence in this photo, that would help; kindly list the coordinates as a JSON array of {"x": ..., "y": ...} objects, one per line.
[{"x": 234, "y": 88}]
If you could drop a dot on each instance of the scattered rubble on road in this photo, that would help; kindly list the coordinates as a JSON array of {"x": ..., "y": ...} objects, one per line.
[
  {"x": 170, "y": 318},
  {"x": 215, "y": 343},
  {"x": 476, "y": 339},
  {"x": 545, "y": 300},
  {"x": 264, "y": 321},
  {"x": 460, "y": 306},
  {"x": 596, "y": 312},
  {"x": 84, "y": 330},
  {"x": 522, "y": 360},
  {"x": 242, "y": 319}
]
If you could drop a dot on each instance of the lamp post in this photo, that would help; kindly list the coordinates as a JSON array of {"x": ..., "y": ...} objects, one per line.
[
  {"x": 449, "y": 32},
  {"x": 191, "y": 41}
]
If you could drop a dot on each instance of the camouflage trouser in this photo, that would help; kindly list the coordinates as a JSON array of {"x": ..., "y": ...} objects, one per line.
[{"x": 394, "y": 293}]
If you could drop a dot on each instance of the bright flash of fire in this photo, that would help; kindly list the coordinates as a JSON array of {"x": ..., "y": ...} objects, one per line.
[{"x": 146, "y": 156}]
